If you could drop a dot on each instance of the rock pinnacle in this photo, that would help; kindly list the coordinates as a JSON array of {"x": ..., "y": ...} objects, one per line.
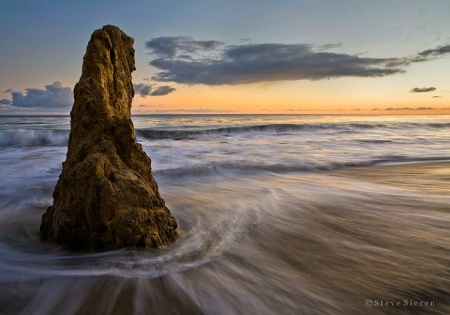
[{"x": 106, "y": 196}]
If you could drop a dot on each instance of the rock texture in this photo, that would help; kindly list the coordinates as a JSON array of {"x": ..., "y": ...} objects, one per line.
[{"x": 106, "y": 196}]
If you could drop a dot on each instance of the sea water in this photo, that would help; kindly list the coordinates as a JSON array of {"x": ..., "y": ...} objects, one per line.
[{"x": 275, "y": 216}]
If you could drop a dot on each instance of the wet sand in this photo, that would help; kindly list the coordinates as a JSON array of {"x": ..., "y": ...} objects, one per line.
[{"x": 425, "y": 177}]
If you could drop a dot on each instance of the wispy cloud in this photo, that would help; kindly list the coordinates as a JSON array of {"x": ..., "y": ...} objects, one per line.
[
  {"x": 422, "y": 90},
  {"x": 399, "y": 108},
  {"x": 147, "y": 90},
  {"x": 435, "y": 52},
  {"x": 188, "y": 61},
  {"x": 410, "y": 108},
  {"x": 193, "y": 111},
  {"x": 429, "y": 54},
  {"x": 162, "y": 90}
]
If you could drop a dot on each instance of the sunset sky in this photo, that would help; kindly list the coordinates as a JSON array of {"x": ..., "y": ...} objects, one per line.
[{"x": 235, "y": 56}]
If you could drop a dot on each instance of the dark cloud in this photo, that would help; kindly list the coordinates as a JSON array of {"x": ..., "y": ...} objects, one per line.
[
  {"x": 436, "y": 96},
  {"x": 184, "y": 60},
  {"x": 142, "y": 89},
  {"x": 428, "y": 54},
  {"x": 329, "y": 46},
  {"x": 170, "y": 47},
  {"x": 162, "y": 90},
  {"x": 423, "y": 90},
  {"x": 53, "y": 96},
  {"x": 188, "y": 61},
  {"x": 147, "y": 90},
  {"x": 4, "y": 101},
  {"x": 435, "y": 52},
  {"x": 7, "y": 91}
]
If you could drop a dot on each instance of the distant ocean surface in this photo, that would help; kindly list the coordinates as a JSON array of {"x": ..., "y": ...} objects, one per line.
[{"x": 278, "y": 214}]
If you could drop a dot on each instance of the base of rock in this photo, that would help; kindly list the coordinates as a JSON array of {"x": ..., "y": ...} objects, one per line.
[{"x": 114, "y": 208}]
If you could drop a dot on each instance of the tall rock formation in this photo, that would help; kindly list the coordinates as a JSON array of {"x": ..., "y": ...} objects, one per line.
[{"x": 106, "y": 196}]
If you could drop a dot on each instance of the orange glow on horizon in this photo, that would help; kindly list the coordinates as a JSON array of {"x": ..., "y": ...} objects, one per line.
[{"x": 288, "y": 98}]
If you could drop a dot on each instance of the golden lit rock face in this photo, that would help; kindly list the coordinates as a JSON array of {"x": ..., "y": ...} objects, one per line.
[{"x": 106, "y": 196}]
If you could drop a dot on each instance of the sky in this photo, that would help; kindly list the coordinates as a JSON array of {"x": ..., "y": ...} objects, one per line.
[{"x": 236, "y": 56}]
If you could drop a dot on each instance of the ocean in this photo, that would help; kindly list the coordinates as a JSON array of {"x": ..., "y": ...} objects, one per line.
[{"x": 278, "y": 214}]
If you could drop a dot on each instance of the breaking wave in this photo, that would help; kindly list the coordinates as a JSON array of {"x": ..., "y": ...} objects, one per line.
[
  {"x": 180, "y": 134},
  {"x": 33, "y": 138},
  {"x": 229, "y": 168}
]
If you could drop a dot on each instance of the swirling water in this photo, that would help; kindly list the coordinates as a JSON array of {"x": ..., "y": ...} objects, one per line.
[{"x": 278, "y": 214}]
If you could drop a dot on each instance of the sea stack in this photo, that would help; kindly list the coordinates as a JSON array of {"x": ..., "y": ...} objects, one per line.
[{"x": 106, "y": 196}]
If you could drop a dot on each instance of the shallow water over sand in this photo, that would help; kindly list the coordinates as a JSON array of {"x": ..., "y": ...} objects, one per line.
[
  {"x": 297, "y": 243},
  {"x": 283, "y": 240}
]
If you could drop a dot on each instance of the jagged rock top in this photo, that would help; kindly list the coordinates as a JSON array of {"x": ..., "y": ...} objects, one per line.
[
  {"x": 107, "y": 67},
  {"x": 103, "y": 95}
]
